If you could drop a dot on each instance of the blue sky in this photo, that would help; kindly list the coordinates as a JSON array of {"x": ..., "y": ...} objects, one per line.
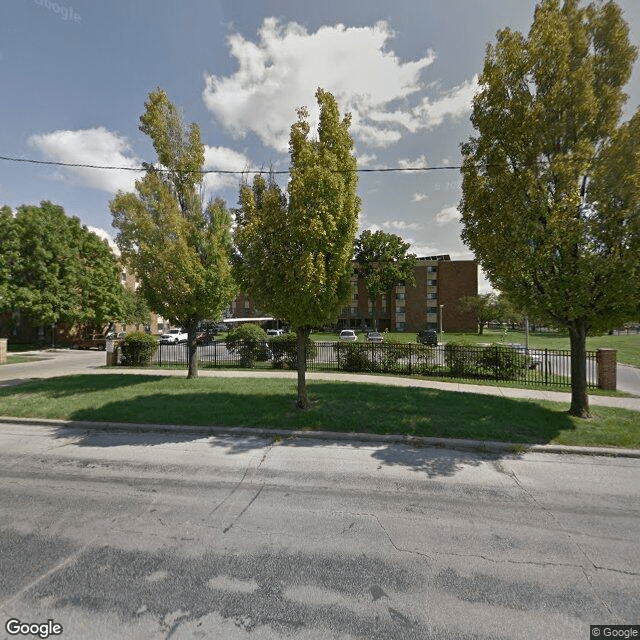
[{"x": 74, "y": 76}]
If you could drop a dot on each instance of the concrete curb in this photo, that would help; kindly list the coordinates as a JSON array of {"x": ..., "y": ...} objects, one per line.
[{"x": 482, "y": 446}]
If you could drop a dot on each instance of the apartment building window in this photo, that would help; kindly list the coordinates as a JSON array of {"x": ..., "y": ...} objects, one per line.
[
  {"x": 400, "y": 296},
  {"x": 432, "y": 269},
  {"x": 400, "y": 310},
  {"x": 432, "y": 309},
  {"x": 432, "y": 283},
  {"x": 354, "y": 297},
  {"x": 432, "y": 296}
]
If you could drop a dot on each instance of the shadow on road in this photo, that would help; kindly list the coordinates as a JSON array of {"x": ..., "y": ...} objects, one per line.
[{"x": 430, "y": 461}]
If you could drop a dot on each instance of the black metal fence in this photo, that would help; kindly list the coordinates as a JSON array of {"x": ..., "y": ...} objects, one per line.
[{"x": 551, "y": 367}]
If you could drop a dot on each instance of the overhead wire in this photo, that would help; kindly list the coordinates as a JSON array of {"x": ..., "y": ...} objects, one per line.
[{"x": 221, "y": 171}]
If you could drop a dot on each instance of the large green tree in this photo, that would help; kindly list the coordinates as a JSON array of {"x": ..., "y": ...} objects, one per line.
[
  {"x": 382, "y": 262},
  {"x": 551, "y": 181},
  {"x": 484, "y": 306},
  {"x": 178, "y": 247},
  {"x": 295, "y": 249},
  {"x": 53, "y": 269}
]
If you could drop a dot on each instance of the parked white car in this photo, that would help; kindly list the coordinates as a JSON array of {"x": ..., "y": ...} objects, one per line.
[
  {"x": 275, "y": 332},
  {"x": 534, "y": 359},
  {"x": 348, "y": 335},
  {"x": 174, "y": 337}
]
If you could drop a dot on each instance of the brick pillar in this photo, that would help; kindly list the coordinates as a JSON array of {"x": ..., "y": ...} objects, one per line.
[
  {"x": 606, "y": 361},
  {"x": 112, "y": 352},
  {"x": 3, "y": 350}
]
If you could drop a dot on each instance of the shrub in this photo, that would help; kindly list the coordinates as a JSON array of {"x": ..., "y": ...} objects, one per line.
[
  {"x": 284, "y": 350},
  {"x": 249, "y": 342},
  {"x": 502, "y": 362},
  {"x": 353, "y": 356},
  {"x": 138, "y": 349},
  {"x": 392, "y": 356},
  {"x": 426, "y": 360},
  {"x": 460, "y": 358}
]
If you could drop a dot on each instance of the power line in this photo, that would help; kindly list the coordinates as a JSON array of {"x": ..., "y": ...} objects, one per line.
[{"x": 221, "y": 171}]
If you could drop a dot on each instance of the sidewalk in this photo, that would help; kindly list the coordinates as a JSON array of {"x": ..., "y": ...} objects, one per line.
[
  {"x": 75, "y": 362},
  {"x": 27, "y": 372},
  {"x": 632, "y": 404}
]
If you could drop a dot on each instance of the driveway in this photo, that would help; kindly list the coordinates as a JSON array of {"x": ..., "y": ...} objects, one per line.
[
  {"x": 628, "y": 379},
  {"x": 58, "y": 362}
]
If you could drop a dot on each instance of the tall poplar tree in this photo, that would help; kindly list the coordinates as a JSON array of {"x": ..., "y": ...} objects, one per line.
[
  {"x": 295, "y": 249},
  {"x": 178, "y": 248},
  {"x": 551, "y": 181}
]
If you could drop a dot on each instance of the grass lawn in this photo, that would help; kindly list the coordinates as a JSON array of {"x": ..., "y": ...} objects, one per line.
[
  {"x": 628, "y": 346},
  {"x": 338, "y": 406}
]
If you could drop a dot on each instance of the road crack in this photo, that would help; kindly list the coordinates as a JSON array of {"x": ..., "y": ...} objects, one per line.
[
  {"x": 226, "y": 529},
  {"x": 244, "y": 475},
  {"x": 569, "y": 535}
]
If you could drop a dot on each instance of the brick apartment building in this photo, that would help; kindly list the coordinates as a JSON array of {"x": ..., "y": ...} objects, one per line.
[{"x": 440, "y": 283}]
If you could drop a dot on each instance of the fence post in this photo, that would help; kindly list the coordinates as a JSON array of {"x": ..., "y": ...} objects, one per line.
[
  {"x": 546, "y": 369},
  {"x": 606, "y": 364}
]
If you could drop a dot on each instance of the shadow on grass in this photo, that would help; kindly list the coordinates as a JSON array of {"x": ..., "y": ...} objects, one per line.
[
  {"x": 348, "y": 408},
  {"x": 72, "y": 385}
]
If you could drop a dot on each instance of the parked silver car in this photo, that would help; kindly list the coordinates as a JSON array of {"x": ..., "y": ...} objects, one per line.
[{"x": 348, "y": 335}]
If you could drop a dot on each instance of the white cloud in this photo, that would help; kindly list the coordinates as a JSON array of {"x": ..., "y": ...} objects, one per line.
[
  {"x": 417, "y": 163},
  {"x": 400, "y": 225},
  {"x": 456, "y": 103},
  {"x": 419, "y": 197},
  {"x": 104, "y": 148},
  {"x": 227, "y": 160},
  {"x": 365, "y": 159},
  {"x": 423, "y": 250},
  {"x": 90, "y": 146},
  {"x": 105, "y": 235},
  {"x": 449, "y": 214},
  {"x": 281, "y": 71}
]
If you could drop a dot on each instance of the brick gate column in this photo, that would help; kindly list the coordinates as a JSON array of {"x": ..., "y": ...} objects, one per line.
[{"x": 606, "y": 363}]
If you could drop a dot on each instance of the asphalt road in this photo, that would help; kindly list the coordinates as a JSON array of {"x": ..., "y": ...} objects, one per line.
[{"x": 122, "y": 535}]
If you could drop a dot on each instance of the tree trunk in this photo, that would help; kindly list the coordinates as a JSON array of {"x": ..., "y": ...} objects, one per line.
[
  {"x": 480, "y": 328},
  {"x": 579, "y": 398},
  {"x": 193, "y": 350},
  {"x": 303, "y": 400}
]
